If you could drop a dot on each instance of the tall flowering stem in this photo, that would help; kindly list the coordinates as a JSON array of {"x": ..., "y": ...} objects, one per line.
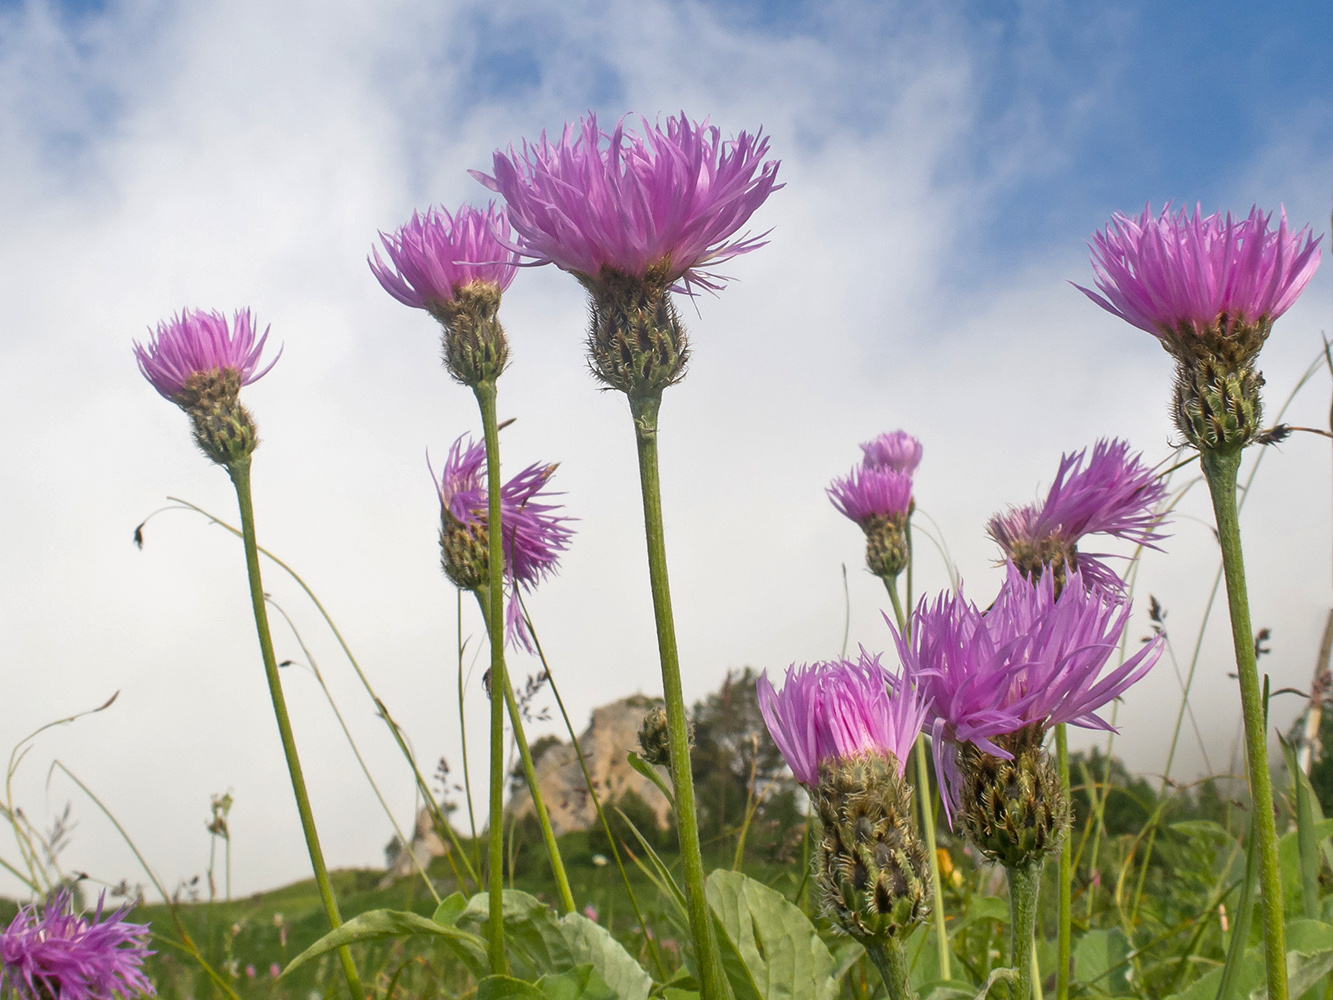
[
  {"x": 644, "y": 410},
  {"x": 239, "y": 470},
  {"x": 1221, "y": 468},
  {"x": 927, "y": 807},
  {"x": 1065, "y": 883},
  {"x": 485, "y": 393},
  {"x": 1210, "y": 288},
  {"x": 530, "y": 773}
]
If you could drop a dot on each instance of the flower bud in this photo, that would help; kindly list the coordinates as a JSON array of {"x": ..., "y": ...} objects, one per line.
[
  {"x": 654, "y": 740},
  {"x": 475, "y": 347},
  {"x": 635, "y": 342},
  {"x": 1012, "y": 810},
  {"x": 871, "y": 866}
]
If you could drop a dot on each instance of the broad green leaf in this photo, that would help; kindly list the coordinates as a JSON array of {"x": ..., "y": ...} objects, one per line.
[
  {"x": 377, "y": 925},
  {"x": 1201, "y": 829},
  {"x": 1289, "y": 863},
  {"x": 1309, "y": 960},
  {"x": 1306, "y": 850},
  {"x": 592, "y": 943},
  {"x": 450, "y": 909},
  {"x": 580, "y": 983},
  {"x": 671, "y": 993},
  {"x": 771, "y": 951},
  {"x": 653, "y": 775},
  {"x": 505, "y": 988},
  {"x": 987, "y": 908},
  {"x": 534, "y": 940},
  {"x": 1096, "y": 954}
]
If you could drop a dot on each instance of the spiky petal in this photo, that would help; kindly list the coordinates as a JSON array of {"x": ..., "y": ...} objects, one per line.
[
  {"x": 896, "y": 450},
  {"x": 1031, "y": 659},
  {"x": 434, "y": 255},
  {"x": 1162, "y": 273},
  {"x": 668, "y": 203},
  {"x": 197, "y": 343},
  {"x": 534, "y": 534},
  {"x": 51, "y": 953},
  {"x": 1114, "y": 494},
  {"x": 839, "y": 709}
]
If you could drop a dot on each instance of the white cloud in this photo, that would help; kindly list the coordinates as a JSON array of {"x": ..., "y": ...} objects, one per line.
[{"x": 246, "y": 155}]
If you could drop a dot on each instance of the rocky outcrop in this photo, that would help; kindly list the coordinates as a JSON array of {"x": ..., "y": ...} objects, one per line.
[{"x": 611, "y": 734}]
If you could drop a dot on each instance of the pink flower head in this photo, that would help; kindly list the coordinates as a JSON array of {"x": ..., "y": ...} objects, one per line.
[
  {"x": 434, "y": 255},
  {"x": 58, "y": 954},
  {"x": 898, "y": 451},
  {"x": 1031, "y": 658},
  {"x": 1115, "y": 494},
  {"x": 533, "y": 534},
  {"x": 668, "y": 202},
  {"x": 869, "y": 491},
  {"x": 196, "y": 342},
  {"x": 1171, "y": 271},
  {"x": 841, "y": 709}
]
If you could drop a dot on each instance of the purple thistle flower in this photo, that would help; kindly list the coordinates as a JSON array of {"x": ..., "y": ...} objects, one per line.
[
  {"x": 196, "y": 343},
  {"x": 841, "y": 709},
  {"x": 897, "y": 450},
  {"x": 1031, "y": 659},
  {"x": 533, "y": 534},
  {"x": 58, "y": 955},
  {"x": 1172, "y": 271},
  {"x": 669, "y": 202},
  {"x": 869, "y": 492},
  {"x": 1115, "y": 494},
  {"x": 432, "y": 256}
]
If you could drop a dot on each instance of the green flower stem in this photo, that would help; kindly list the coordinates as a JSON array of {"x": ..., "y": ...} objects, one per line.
[
  {"x": 927, "y": 810},
  {"x": 495, "y": 946},
  {"x": 530, "y": 772},
  {"x": 1066, "y": 873},
  {"x": 891, "y": 961},
  {"x": 1220, "y": 469},
  {"x": 1024, "y": 886},
  {"x": 711, "y": 978},
  {"x": 239, "y": 471}
]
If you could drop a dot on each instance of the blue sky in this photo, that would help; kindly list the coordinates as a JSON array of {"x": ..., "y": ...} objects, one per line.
[{"x": 943, "y": 169}]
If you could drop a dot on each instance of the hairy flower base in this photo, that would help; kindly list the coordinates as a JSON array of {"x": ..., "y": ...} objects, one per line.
[
  {"x": 1216, "y": 402},
  {"x": 475, "y": 347},
  {"x": 1012, "y": 810},
  {"x": 464, "y": 553},
  {"x": 635, "y": 341},
  {"x": 871, "y": 867},
  {"x": 223, "y": 428},
  {"x": 887, "y": 550}
]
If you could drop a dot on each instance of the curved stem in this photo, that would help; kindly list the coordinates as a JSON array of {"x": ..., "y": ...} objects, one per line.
[
  {"x": 1066, "y": 873},
  {"x": 485, "y": 393},
  {"x": 240, "y": 477},
  {"x": 530, "y": 772},
  {"x": 1024, "y": 886},
  {"x": 1221, "y": 469},
  {"x": 891, "y": 962},
  {"x": 712, "y": 981}
]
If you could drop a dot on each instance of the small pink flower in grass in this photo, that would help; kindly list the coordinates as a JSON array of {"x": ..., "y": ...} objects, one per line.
[
  {"x": 1031, "y": 659},
  {"x": 434, "y": 255},
  {"x": 251, "y": 972},
  {"x": 590, "y": 912},
  {"x": 897, "y": 450},
  {"x": 1113, "y": 494},
  {"x": 840, "y": 709},
  {"x": 533, "y": 533},
  {"x": 55, "y": 953},
  {"x": 1170, "y": 274},
  {"x": 197, "y": 343},
  {"x": 275, "y": 970},
  {"x": 666, "y": 205}
]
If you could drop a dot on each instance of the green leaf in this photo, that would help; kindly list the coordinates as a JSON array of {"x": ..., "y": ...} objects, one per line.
[
  {"x": 1306, "y": 850},
  {"x": 987, "y": 908},
  {"x": 1202, "y": 829},
  {"x": 505, "y": 988},
  {"x": 534, "y": 941},
  {"x": 1289, "y": 864},
  {"x": 1097, "y": 953},
  {"x": 1309, "y": 960},
  {"x": 377, "y": 925},
  {"x": 580, "y": 983},
  {"x": 653, "y": 775},
  {"x": 770, "y": 949},
  {"x": 591, "y": 943},
  {"x": 450, "y": 909}
]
